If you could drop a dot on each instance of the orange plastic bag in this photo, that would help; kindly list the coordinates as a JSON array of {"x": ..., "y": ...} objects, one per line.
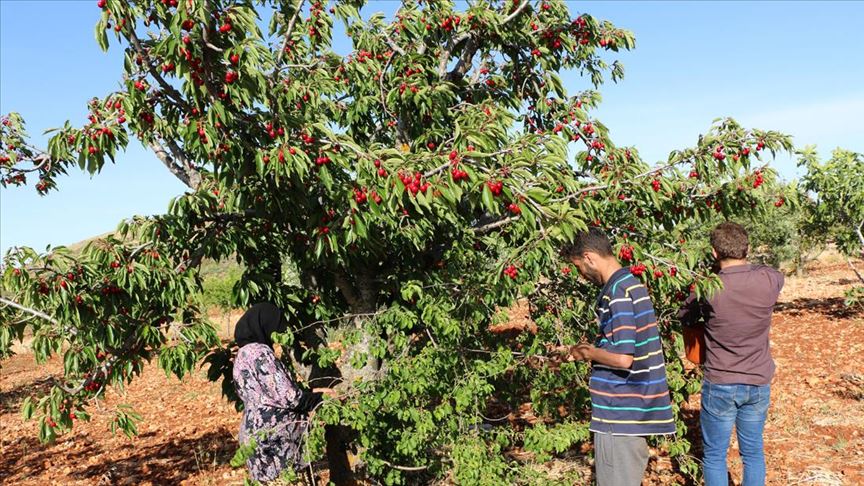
[{"x": 694, "y": 343}]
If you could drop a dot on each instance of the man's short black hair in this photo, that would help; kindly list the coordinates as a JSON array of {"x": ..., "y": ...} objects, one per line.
[
  {"x": 730, "y": 240},
  {"x": 594, "y": 240}
]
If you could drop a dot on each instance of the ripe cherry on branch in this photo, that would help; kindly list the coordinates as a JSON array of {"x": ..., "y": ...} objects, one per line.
[{"x": 495, "y": 187}]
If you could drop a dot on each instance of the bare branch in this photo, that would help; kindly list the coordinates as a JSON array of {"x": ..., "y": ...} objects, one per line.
[
  {"x": 399, "y": 124},
  {"x": 393, "y": 46},
  {"x": 496, "y": 224},
  {"x": 861, "y": 236},
  {"x": 39, "y": 162},
  {"x": 169, "y": 90},
  {"x": 211, "y": 46},
  {"x": 444, "y": 58},
  {"x": 185, "y": 173},
  {"x": 405, "y": 468},
  {"x": 516, "y": 12},
  {"x": 465, "y": 60},
  {"x": 855, "y": 270},
  {"x": 471, "y": 47},
  {"x": 37, "y": 313},
  {"x": 290, "y": 30}
]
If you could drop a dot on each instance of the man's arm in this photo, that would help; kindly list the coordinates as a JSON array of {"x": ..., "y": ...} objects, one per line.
[
  {"x": 691, "y": 311},
  {"x": 587, "y": 352},
  {"x": 618, "y": 332}
]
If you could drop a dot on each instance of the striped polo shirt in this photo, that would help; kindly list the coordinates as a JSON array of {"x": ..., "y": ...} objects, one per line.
[{"x": 631, "y": 401}]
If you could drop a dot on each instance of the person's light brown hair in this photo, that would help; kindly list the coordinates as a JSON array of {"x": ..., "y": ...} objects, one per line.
[{"x": 730, "y": 240}]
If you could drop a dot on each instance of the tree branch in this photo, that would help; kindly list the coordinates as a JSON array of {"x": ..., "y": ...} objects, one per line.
[
  {"x": 187, "y": 174},
  {"x": 405, "y": 468},
  {"x": 496, "y": 224},
  {"x": 444, "y": 58},
  {"x": 515, "y": 13},
  {"x": 861, "y": 235},
  {"x": 169, "y": 90},
  {"x": 855, "y": 270},
  {"x": 290, "y": 31},
  {"x": 400, "y": 126},
  {"x": 471, "y": 48},
  {"x": 393, "y": 46},
  {"x": 37, "y": 313}
]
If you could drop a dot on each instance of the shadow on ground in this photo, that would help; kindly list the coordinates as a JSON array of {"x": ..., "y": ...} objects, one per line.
[
  {"x": 829, "y": 307},
  {"x": 167, "y": 462},
  {"x": 10, "y": 400}
]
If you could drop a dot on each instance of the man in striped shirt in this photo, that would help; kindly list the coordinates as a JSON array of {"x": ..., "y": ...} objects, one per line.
[{"x": 629, "y": 394}]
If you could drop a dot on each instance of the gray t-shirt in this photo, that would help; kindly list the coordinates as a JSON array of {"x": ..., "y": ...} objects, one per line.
[{"x": 737, "y": 322}]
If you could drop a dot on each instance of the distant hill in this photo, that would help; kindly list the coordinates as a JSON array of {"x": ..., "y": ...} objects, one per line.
[{"x": 209, "y": 268}]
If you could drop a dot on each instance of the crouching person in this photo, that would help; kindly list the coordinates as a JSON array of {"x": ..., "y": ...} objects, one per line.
[
  {"x": 275, "y": 409},
  {"x": 629, "y": 394}
]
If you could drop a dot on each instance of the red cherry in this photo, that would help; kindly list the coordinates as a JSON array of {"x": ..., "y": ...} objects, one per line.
[
  {"x": 226, "y": 27},
  {"x": 230, "y": 77},
  {"x": 626, "y": 253},
  {"x": 187, "y": 24},
  {"x": 235, "y": 58},
  {"x": 512, "y": 272},
  {"x": 102, "y": 4}
]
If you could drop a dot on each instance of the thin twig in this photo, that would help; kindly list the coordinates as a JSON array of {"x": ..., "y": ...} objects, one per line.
[
  {"x": 145, "y": 59},
  {"x": 494, "y": 225},
  {"x": 36, "y": 313},
  {"x": 290, "y": 30}
]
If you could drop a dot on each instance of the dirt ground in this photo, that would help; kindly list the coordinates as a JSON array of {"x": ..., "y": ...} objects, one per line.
[{"x": 814, "y": 434}]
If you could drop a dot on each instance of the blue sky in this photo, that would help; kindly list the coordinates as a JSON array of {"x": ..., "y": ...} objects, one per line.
[{"x": 794, "y": 66}]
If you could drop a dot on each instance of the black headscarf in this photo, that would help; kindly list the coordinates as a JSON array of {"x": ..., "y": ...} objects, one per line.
[{"x": 258, "y": 323}]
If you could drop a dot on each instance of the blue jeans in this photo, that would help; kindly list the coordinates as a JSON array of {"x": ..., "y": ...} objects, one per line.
[{"x": 745, "y": 407}]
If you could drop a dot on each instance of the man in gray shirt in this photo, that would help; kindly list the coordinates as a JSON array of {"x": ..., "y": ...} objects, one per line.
[{"x": 738, "y": 369}]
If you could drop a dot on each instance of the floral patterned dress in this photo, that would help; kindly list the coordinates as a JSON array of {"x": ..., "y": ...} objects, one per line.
[{"x": 275, "y": 412}]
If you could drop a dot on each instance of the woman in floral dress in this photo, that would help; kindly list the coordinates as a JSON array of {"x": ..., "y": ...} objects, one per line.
[{"x": 275, "y": 412}]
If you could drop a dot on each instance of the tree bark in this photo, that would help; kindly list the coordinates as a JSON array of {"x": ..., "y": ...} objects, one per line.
[{"x": 360, "y": 293}]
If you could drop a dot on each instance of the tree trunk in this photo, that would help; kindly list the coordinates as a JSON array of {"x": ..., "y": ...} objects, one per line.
[{"x": 361, "y": 297}]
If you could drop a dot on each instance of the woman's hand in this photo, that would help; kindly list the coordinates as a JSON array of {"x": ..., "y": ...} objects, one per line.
[{"x": 327, "y": 391}]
